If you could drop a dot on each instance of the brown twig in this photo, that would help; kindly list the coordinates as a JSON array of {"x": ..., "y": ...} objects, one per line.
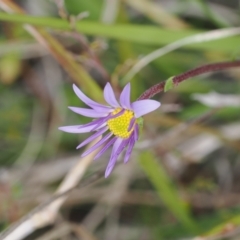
[{"x": 213, "y": 67}]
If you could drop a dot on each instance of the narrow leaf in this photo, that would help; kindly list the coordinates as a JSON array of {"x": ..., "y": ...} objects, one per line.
[
  {"x": 149, "y": 35},
  {"x": 166, "y": 191},
  {"x": 169, "y": 84}
]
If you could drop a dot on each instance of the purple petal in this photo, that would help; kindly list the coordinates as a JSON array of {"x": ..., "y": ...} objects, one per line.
[
  {"x": 104, "y": 120},
  {"x": 98, "y": 144},
  {"x": 88, "y": 101},
  {"x": 136, "y": 132},
  {"x": 110, "y": 96},
  {"x": 91, "y": 138},
  {"x": 129, "y": 150},
  {"x": 125, "y": 97},
  {"x": 76, "y": 129},
  {"x": 103, "y": 109},
  {"x": 118, "y": 147},
  {"x": 88, "y": 112},
  {"x": 95, "y": 123},
  {"x": 113, "y": 157},
  {"x": 118, "y": 114},
  {"x": 132, "y": 122},
  {"x": 122, "y": 146},
  {"x": 104, "y": 149},
  {"x": 142, "y": 107}
]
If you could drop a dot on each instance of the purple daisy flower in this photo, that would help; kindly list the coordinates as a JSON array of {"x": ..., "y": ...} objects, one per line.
[{"x": 121, "y": 121}]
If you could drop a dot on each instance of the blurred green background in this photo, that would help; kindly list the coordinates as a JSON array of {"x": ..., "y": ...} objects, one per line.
[{"x": 183, "y": 178}]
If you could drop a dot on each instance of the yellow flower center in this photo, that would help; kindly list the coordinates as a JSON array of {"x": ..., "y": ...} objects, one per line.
[{"x": 119, "y": 125}]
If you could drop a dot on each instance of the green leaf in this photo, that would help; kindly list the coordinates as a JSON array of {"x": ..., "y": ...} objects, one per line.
[
  {"x": 219, "y": 229},
  {"x": 150, "y": 35},
  {"x": 169, "y": 84},
  {"x": 94, "y": 7},
  {"x": 166, "y": 191}
]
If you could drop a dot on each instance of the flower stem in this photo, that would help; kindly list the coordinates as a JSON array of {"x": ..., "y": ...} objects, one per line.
[{"x": 159, "y": 87}]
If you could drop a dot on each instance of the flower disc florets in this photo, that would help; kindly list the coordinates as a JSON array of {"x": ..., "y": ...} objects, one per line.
[
  {"x": 119, "y": 126},
  {"x": 119, "y": 121}
]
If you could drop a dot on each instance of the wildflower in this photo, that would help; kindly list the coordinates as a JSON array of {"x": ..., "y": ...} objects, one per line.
[{"x": 121, "y": 121}]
